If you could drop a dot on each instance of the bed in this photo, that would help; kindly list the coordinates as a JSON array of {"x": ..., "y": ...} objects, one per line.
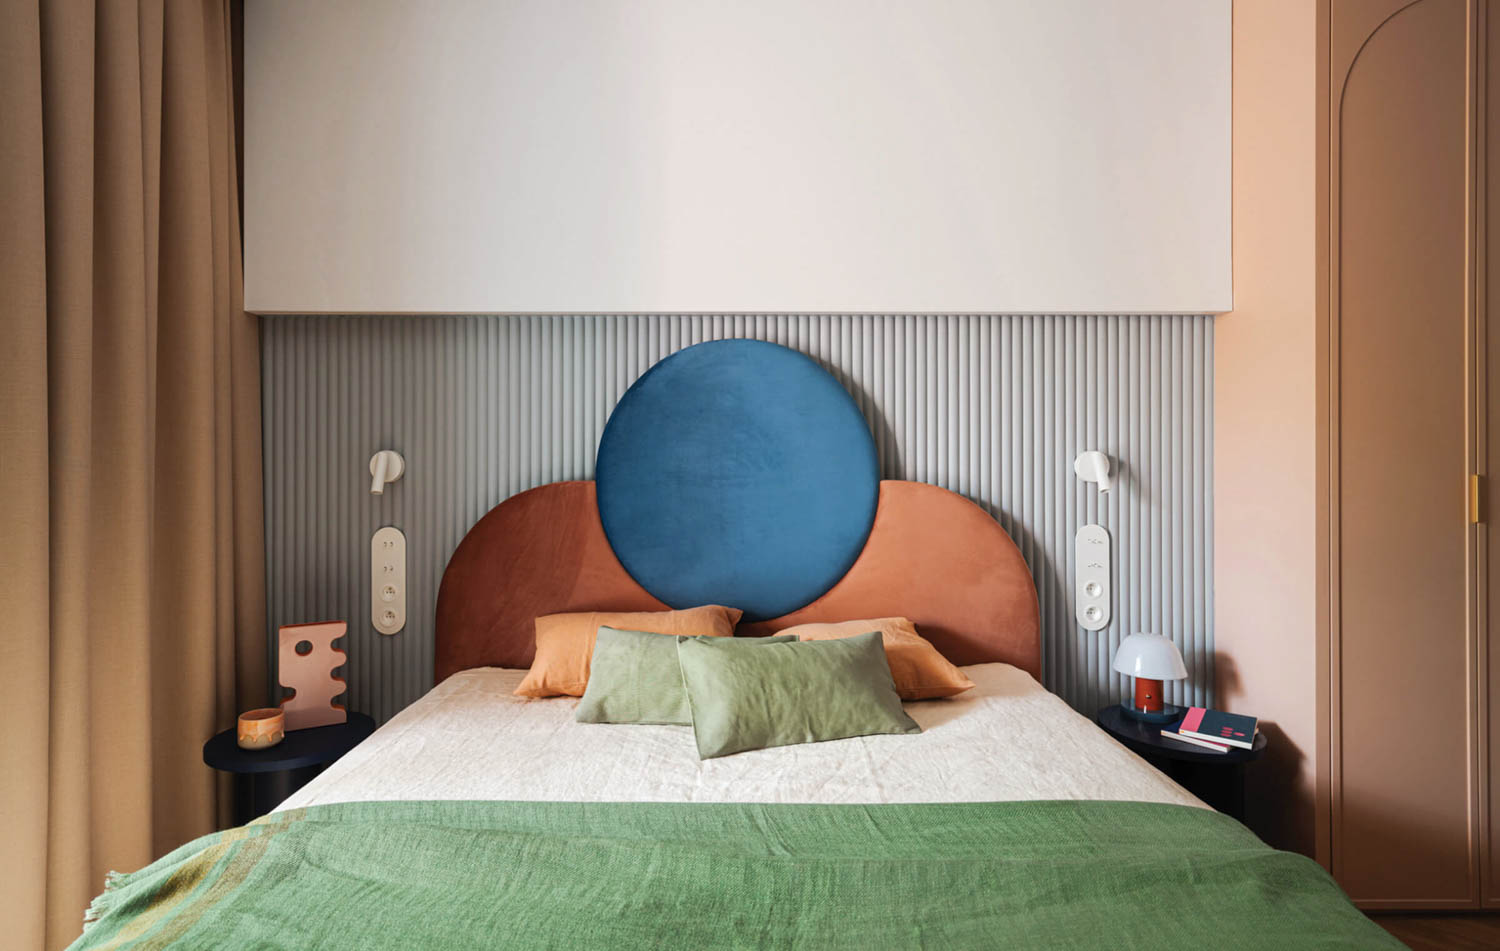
[
  {"x": 470, "y": 738},
  {"x": 476, "y": 818}
]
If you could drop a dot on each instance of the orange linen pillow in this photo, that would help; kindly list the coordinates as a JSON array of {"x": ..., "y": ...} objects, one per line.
[
  {"x": 920, "y": 672},
  {"x": 565, "y": 642}
]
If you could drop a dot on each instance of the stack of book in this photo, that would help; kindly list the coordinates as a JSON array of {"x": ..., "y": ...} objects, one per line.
[{"x": 1214, "y": 730}]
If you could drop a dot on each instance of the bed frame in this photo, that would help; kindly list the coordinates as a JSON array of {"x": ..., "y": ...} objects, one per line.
[
  {"x": 932, "y": 556},
  {"x": 741, "y": 473}
]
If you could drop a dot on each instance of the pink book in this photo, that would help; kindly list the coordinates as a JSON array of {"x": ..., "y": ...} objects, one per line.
[{"x": 1219, "y": 727}]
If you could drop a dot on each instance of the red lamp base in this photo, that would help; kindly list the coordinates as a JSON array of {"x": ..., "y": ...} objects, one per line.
[
  {"x": 1148, "y": 704},
  {"x": 1148, "y": 695}
]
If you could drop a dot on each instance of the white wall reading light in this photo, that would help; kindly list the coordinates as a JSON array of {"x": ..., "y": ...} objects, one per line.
[
  {"x": 385, "y": 466},
  {"x": 1093, "y": 466}
]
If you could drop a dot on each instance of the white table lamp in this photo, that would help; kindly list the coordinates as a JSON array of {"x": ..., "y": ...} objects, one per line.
[{"x": 1150, "y": 659}]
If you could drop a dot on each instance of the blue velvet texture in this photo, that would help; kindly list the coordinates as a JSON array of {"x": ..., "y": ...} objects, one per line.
[{"x": 737, "y": 472}]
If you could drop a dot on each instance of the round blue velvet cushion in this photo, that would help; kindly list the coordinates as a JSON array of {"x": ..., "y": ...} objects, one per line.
[{"x": 737, "y": 472}]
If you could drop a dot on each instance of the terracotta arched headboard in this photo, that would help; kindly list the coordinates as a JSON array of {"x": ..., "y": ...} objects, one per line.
[{"x": 932, "y": 556}]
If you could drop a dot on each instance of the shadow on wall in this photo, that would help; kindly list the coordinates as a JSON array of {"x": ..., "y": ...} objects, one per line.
[
  {"x": 1274, "y": 808},
  {"x": 886, "y": 446},
  {"x": 1050, "y": 587}
]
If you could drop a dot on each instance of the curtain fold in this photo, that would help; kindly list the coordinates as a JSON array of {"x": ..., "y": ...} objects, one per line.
[{"x": 130, "y": 472}]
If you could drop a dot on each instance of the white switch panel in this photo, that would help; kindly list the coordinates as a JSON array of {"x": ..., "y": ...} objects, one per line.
[
  {"x": 1091, "y": 586},
  {"x": 388, "y": 580}
]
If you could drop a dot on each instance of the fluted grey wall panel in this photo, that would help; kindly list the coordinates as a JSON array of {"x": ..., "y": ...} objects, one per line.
[{"x": 994, "y": 408}]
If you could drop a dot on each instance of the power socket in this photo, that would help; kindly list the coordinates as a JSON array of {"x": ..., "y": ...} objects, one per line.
[
  {"x": 1091, "y": 563},
  {"x": 388, "y": 580}
]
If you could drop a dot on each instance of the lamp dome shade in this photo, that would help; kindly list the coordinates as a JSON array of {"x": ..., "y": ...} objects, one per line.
[{"x": 1151, "y": 656}]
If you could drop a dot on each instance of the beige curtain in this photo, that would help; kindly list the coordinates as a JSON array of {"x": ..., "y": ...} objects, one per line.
[{"x": 130, "y": 484}]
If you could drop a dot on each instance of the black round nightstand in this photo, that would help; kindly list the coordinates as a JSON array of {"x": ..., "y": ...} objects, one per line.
[
  {"x": 264, "y": 778},
  {"x": 1216, "y": 778}
]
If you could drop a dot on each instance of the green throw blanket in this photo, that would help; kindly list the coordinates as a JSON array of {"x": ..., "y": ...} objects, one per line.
[{"x": 419, "y": 875}]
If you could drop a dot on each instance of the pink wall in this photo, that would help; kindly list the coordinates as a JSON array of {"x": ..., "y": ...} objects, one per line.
[{"x": 1265, "y": 417}]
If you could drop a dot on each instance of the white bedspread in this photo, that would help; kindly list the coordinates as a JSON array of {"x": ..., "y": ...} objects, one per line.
[{"x": 469, "y": 738}]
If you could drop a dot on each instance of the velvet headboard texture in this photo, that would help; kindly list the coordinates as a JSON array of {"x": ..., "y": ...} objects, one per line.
[
  {"x": 738, "y": 472},
  {"x": 932, "y": 556}
]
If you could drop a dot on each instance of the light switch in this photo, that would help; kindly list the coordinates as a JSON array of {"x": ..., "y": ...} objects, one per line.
[
  {"x": 1091, "y": 567},
  {"x": 388, "y": 580}
]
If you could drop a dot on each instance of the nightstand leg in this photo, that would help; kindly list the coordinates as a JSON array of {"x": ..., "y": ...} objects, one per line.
[
  {"x": 271, "y": 789},
  {"x": 244, "y": 793},
  {"x": 1220, "y": 786},
  {"x": 1237, "y": 792},
  {"x": 258, "y": 793}
]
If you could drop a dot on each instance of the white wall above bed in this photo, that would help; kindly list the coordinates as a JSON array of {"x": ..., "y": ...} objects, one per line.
[{"x": 567, "y": 156}]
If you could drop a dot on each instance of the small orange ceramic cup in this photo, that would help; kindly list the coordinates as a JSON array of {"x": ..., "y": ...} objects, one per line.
[{"x": 261, "y": 728}]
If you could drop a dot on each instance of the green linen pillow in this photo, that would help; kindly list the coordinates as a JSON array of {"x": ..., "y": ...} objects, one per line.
[
  {"x": 799, "y": 692},
  {"x": 634, "y": 678}
]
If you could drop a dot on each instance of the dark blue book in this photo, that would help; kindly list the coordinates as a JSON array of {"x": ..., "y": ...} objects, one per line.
[{"x": 1220, "y": 727}]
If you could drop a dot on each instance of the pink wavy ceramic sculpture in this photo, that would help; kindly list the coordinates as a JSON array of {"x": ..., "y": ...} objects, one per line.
[{"x": 310, "y": 675}]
